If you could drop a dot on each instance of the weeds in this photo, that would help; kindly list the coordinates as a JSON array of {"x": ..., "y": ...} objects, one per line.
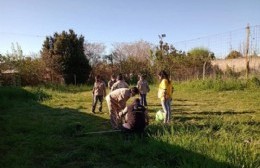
[{"x": 215, "y": 124}]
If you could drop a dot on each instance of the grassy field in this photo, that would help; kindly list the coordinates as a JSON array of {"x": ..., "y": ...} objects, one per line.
[{"x": 46, "y": 126}]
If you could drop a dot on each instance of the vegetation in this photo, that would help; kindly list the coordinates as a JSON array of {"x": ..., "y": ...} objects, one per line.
[
  {"x": 22, "y": 70},
  {"x": 222, "y": 85},
  {"x": 64, "y": 55},
  {"x": 66, "y": 59},
  {"x": 234, "y": 54},
  {"x": 215, "y": 124}
]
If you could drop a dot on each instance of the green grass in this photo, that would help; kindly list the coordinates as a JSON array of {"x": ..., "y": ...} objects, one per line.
[
  {"x": 221, "y": 84},
  {"x": 45, "y": 126}
]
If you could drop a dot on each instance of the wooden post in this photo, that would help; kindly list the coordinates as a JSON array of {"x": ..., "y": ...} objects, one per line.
[
  {"x": 204, "y": 69},
  {"x": 247, "y": 50}
]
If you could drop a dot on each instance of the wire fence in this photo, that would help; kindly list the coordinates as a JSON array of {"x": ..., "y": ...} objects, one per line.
[
  {"x": 223, "y": 43},
  {"x": 220, "y": 44}
]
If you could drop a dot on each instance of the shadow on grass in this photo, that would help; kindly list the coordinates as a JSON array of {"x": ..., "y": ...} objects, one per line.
[
  {"x": 35, "y": 135},
  {"x": 187, "y": 118},
  {"x": 221, "y": 113},
  {"x": 182, "y": 100}
]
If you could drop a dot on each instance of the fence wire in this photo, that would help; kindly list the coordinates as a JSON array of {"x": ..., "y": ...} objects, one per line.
[{"x": 222, "y": 44}]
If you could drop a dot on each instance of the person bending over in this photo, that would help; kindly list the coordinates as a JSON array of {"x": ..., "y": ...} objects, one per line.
[{"x": 116, "y": 102}]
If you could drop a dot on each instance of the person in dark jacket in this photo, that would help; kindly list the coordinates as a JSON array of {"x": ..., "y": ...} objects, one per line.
[{"x": 135, "y": 117}]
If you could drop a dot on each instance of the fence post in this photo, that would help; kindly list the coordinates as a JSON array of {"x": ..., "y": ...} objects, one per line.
[
  {"x": 204, "y": 69},
  {"x": 247, "y": 50}
]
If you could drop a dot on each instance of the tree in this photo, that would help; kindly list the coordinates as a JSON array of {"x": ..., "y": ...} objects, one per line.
[
  {"x": 167, "y": 57},
  {"x": 139, "y": 50},
  {"x": 31, "y": 71},
  {"x": 128, "y": 52},
  {"x": 27, "y": 70},
  {"x": 234, "y": 54},
  {"x": 201, "y": 54},
  {"x": 199, "y": 58},
  {"x": 64, "y": 55},
  {"x": 109, "y": 58},
  {"x": 94, "y": 52}
]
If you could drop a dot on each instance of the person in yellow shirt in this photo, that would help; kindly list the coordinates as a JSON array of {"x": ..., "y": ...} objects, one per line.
[{"x": 165, "y": 94}]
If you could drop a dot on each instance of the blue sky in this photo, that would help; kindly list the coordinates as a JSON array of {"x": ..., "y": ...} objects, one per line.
[{"x": 108, "y": 21}]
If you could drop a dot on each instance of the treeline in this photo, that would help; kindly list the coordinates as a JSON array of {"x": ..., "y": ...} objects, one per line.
[{"x": 68, "y": 59}]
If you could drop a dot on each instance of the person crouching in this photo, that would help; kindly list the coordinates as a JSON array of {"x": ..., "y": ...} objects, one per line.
[
  {"x": 135, "y": 117},
  {"x": 116, "y": 102}
]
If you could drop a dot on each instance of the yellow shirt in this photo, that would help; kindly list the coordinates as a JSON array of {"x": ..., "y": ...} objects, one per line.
[{"x": 165, "y": 88}]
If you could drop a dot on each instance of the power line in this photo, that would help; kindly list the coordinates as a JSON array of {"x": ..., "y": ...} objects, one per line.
[
  {"x": 21, "y": 34},
  {"x": 221, "y": 43}
]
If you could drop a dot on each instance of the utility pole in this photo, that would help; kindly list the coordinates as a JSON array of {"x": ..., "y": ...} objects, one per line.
[{"x": 247, "y": 50}]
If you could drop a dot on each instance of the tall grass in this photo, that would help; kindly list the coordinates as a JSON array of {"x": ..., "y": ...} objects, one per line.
[
  {"x": 68, "y": 88},
  {"x": 221, "y": 84},
  {"x": 45, "y": 126},
  {"x": 223, "y": 142}
]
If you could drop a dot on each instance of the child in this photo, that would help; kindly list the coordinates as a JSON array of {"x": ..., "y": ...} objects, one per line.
[
  {"x": 120, "y": 83},
  {"x": 112, "y": 81},
  {"x": 143, "y": 88},
  {"x": 99, "y": 92}
]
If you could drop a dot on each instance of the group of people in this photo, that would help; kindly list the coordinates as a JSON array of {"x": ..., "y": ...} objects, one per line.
[{"x": 134, "y": 116}]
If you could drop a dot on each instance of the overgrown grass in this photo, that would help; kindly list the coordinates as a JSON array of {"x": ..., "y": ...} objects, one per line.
[
  {"x": 221, "y": 84},
  {"x": 45, "y": 126}
]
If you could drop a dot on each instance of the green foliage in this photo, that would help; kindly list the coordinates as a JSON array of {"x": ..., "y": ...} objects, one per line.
[
  {"x": 182, "y": 66},
  {"x": 201, "y": 54},
  {"x": 234, "y": 54},
  {"x": 221, "y": 84},
  {"x": 26, "y": 70},
  {"x": 197, "y": 57},
  {"x": 64, "y": 55},
  {"x": 253, "y": 83},
  {"x": 230, "y": 73},
  {"x": 31, "y": 71},
  {"x": 209, "y": 129}
]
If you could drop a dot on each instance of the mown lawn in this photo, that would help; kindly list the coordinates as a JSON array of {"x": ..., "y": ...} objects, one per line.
[{"x": 46, "y": 127}]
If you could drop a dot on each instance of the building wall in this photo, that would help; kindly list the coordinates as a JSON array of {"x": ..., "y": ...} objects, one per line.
[{"x": 238, "y": 64}]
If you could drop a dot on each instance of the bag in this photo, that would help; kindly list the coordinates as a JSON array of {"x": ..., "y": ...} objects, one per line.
[{"x": 159, "y": 116}]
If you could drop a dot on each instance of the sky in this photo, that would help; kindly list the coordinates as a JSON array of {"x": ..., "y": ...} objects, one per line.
[{"x": 28, "y": 22}]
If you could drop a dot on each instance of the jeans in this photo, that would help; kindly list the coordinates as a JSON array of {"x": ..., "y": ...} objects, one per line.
[
  {"x": 166, "y": 105},
  {"x": 143, "y": 99}
]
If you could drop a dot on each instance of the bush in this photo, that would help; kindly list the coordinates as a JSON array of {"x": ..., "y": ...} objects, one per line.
[{"x": 253, "y": 83}]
